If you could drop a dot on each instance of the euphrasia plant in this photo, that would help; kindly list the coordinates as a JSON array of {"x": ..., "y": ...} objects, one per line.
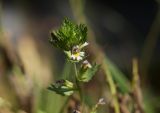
[{"x": 71, "y": 39}]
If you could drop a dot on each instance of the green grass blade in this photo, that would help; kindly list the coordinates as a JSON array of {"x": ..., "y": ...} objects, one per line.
[{"x": 120, "y": 79}]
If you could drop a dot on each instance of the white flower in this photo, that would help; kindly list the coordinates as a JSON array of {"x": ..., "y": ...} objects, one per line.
[
  {"x": 101, "y": 101},
  {"x": 83, "y": 45},
  {"x": 77, "y": 56},
  {"x": 86, "y": 64}
]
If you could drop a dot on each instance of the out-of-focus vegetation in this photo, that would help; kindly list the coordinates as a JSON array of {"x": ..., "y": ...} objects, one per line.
[{"x": 28, "y": 63}]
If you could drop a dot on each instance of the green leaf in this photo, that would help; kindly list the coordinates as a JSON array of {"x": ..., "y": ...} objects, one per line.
[
  {"x": 86, "y": 75},
  {"x": 68, "y": 35},
  {"x": 63, "y": 87}
]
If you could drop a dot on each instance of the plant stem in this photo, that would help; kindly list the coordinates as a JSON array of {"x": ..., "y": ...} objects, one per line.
[
  {"x": 78, "y": 85},
  {"x": 112, "y": 88},
  {"x": 78, "y": 12},
  {"x": 136, "y": 89}
]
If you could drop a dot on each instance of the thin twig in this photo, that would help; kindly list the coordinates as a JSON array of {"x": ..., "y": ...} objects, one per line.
[{"x": 136, "y": 89}]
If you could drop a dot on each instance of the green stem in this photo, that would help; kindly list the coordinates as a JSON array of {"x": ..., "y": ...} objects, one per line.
[
  {"x": 78, "y": 85},
  {"x": 112, "y": 88}
]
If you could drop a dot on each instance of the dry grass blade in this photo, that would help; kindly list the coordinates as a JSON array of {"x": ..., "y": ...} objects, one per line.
[{"x": 137, "y": 92}]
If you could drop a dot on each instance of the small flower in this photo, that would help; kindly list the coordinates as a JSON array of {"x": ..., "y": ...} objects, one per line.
[
  {"x": 86, "y": 65},
  {"x": 78, "y": 56},
  {"x": 101, "y": 101},
  {"x": 76, "y": 53},
  {"x": 83, "y": 45}
]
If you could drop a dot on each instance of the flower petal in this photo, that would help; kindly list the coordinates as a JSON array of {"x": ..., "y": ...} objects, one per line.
[{"x": 83, "y": 45}]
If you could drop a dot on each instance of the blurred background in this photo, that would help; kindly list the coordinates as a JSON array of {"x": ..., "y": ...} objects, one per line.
[{"x": 120, "y": 30}]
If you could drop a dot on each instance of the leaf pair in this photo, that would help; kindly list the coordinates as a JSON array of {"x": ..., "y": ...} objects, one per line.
[{"x": 63, "y": 87}]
